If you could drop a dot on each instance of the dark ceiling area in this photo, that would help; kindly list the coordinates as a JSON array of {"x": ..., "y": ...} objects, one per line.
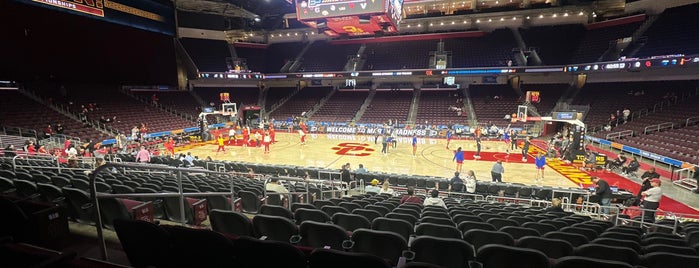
[{"x": 234, "y": 14}]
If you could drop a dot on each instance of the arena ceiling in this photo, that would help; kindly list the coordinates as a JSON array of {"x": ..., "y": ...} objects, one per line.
[{"x": 251, "y": 9}]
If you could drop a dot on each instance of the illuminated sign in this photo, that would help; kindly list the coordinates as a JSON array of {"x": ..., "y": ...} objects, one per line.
[
  {"x": 146, "y": 15},
  {"x": 565, "y": 115},
  {"x": 391, "y": 73},
  {"x": 315, "y": 9},
  {"x": 93, "y": 7}
]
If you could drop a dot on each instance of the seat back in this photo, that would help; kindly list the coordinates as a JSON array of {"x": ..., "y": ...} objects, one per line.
[
  {"x": 331, "y": 210},
  {"x": 351, "y": 222},
  {"x": 466, "y": 226},
  {"x": 479, "y": 238},
  {"x": 542, "y": 228},
  {"x": 145, "y": 244},
  {"x": 618, "y": 242},
  {"x": 604, "y": 252},
  {"x": 669, "y": 260},
  {"x": 578, "y": 262},
  {"x": 574, "y": 239},
  {"x": 447, "y": 252},
  {"x": 111, "y": 209},
  {"x": 251, "y": 201},
  {"x": 387, "y": 245},
  {"x": 438, "y": 230},
  {"x": 322, "y": 258},
  {"x": 81, "y": 204},
  {"x": 303, "y": 214},
  {"x": 367, "y": 213},
  {"x": 282, "y": 254},
  {"x": 231, "y": 222},
  {"x": 437, "y": 220},
  {"x": 508, "y": 256},
  {"x": 211, "y": 249},
  {"x": 398, "y": 226},
  {"x": 274, "y": 227},
  {"x": 553, "y": 248},
  {"x": 517, "y": 232},
  {"x": 295, "y": 206},
  {"x": 274, "y": 210},
  {"x": 320, "y": 235}
]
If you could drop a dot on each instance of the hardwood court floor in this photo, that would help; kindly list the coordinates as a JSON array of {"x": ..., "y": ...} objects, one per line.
[{"x": 432, "y": 158}]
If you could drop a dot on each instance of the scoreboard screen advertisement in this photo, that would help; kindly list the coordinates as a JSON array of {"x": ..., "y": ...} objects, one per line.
[{"x": 316, "y": 9}]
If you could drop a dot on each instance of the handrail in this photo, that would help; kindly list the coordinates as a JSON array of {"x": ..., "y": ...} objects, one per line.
[
  {"x": 53, "y": 160},
  {"x": 619, "y": 134},
  {"x": 108, "y": 166},
  {"x": 690, "y": 120},
  {"x": 658, "y": 127},
  {"x": 178, "y": 171}
]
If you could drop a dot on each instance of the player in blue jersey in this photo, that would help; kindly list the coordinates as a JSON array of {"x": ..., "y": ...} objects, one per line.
[
  {"x": 459, "y": 158},
  {"x": 414, "y": 145},
  {"x": 540, "y": 162}
]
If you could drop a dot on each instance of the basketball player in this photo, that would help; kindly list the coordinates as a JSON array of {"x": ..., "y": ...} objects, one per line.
[
  {"x": 221, "y": 145},
  {"x": 246, "y": 136},
  {"x": 266, "y": 141},
  {"x": 170, "y": 147},
  {"x": 478, "y": 148},
  {"x": 540, "y": 162},
  {"x": 459, "y": 158},
  {"x": 506, "y": 138},
  {"x": 525, "y": 148},
  {"x": 414, "y": 145},
  {"x": 513, "y": 140}
]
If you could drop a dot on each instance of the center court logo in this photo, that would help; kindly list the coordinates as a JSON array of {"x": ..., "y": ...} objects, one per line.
[{"x": 353, "y": 149}]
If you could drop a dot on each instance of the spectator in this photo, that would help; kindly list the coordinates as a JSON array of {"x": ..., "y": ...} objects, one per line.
[
  {"x": 42, "y": 150},
  {"x": 10, "y": 151},
  {"x": 604, "y": 193},
  {"x": 632, "y": 209},
  {"x": 143, "y": 156},
  {"x": 345, "y": 175},
  {"x": 410, "y": 197},
  {"x": 276, "y": 186},
  {"x": 48, "y": 131},
  {"x": 189, "y": 160},
  {"x": 385, "y": 189},
  {"x": 626, "y": 113},
  {"x": 618, "y": 162},
  {"x": 470, "y": 182},
  {"x": 361, "y": 169},
  {"x": 434, "y": 200},
  {"x": 555, "y": 206},
  {"x": 71, "y": 151},
  {"x": 456, "y": 184},
  {"x": 651, "y": 199},
  {"x": 497, "y": 171},
  {"x": 646, "y": 178},
  {"x": 59, "y": 129},
  {"x": 373, "y": 187},
  {"x": 631, "y": 167}
]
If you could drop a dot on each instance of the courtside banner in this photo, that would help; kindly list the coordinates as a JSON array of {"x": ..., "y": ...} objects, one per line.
[
  {"x": 373, "y": 131},
  {"x": 141, "y": 14}
]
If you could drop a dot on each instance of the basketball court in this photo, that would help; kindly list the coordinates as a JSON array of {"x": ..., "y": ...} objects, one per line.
[{"x": 432, "y": 157}]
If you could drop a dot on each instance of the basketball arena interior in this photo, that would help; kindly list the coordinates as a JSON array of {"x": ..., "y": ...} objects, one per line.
[{"x": 349, "y": 133}]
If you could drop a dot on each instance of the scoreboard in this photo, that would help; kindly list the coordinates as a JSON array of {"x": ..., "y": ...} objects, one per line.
[
  {"x": 350, "y": 17},
  {"x": 315, "y": 9}
]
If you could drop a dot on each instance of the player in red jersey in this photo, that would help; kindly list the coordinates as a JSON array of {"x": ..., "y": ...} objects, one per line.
[{"x": 170, "y": 146}]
